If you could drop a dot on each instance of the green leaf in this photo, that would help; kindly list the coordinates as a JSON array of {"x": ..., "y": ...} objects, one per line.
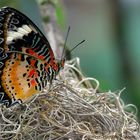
[{"x": 60, "y": 15}]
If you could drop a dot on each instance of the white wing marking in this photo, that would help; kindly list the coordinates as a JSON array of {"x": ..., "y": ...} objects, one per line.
[{"x": 21, "y": 31}]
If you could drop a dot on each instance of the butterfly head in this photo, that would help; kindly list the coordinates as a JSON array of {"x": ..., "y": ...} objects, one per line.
[{"x": 57, "y": 66}]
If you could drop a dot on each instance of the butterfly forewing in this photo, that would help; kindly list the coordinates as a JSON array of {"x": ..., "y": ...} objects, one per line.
[{"x": 26, "y": 59}]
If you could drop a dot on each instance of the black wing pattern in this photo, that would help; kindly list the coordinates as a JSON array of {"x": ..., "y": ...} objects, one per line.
[{"x": 19, "y": 34}]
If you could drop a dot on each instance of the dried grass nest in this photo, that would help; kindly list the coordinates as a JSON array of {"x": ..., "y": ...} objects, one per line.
[{"x": 71, "y": 110}]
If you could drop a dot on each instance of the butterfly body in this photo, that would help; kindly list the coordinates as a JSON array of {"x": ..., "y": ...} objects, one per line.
[{"x": 27, "y": 62}]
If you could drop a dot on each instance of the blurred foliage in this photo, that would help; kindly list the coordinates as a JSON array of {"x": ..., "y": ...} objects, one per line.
[
  {"x": 46, "y": 19},
  {"x": 11, "y": 3},
  {"x": 59, "y": 10},
  {"x": 112, "y": 50},
  {"x": 60, "y": 15}
]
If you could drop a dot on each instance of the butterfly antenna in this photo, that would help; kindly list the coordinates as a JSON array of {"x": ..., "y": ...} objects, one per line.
[
  {"x": 76, "y": 46},
  {"x": 65, "y": 42}
]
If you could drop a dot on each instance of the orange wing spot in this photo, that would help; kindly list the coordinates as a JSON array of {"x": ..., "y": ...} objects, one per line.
[
  {"x": 33, "y": 63},
  {"x": 33, "y": 82},
  {"x": 31, "y": 52},
  {"x": 40, "y": 56},
  {"x": 19, "y": 56},
  {"x": 55, "y": 66},
  {"x": 33, "y": 73}
]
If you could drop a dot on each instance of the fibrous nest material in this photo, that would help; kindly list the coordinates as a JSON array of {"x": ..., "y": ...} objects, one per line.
[{"x": 71, "y": 109}]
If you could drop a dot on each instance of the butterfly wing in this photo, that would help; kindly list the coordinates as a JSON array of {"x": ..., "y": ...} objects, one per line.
[
  {"x": 26, "y": 58},
  {"x": 23, "y": 76},
  {"x": 18, "y": 32}
]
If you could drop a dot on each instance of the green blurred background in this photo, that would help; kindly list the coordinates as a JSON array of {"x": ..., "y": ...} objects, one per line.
[{"x": 111, "y": 28}]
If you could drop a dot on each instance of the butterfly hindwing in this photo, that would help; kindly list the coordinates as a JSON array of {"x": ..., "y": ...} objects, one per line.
[
  {"x": 23, "y": 77},
  {"x": 26, "y": 59}
]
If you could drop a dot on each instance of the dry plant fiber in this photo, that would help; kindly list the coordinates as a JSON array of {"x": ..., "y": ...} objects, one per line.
[{"x": 69, "y": 110}]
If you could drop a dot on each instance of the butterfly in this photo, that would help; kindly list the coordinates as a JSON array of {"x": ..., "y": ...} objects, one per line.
[{"x": 27, "y": 62}]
